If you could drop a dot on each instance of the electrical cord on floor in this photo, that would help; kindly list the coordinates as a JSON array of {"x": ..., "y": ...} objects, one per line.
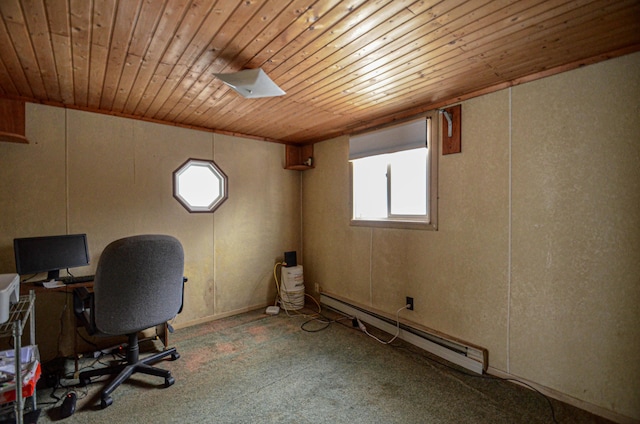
[
  {"x": 87, "y": 341},
  {"x": 323, "y": 320},
  {"x": 450, "y": 367},
  {"x": 62, "y": 315},
  {"x": 553, "y": 412},
  {"x": 81, "y": 394},
  {"x": 116, "y": 356},
  {"x": 364, "y": 329},
  {"x": 275, "y": 278},
  {"x": 490, "y": 378},
  {"x": 315, "y": 317},
  {"x": 495, "y": 378},
  {"x": 283, "y": 304},
  {"x": 326, "y": 321},
  {"x": 318, "y": 317},
  {"x": 57, "y": 385}
]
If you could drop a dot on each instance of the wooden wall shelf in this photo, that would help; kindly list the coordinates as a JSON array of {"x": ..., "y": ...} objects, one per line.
[
  {"x": 299, "y": 158},
  {"x": 12, "y": 118}
]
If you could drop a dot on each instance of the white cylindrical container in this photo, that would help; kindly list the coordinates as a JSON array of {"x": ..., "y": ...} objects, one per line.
[
  {"x": 292, "y": 278},
  {"x": 292, "y": 300},
  {"x": 292, "y": 288}
]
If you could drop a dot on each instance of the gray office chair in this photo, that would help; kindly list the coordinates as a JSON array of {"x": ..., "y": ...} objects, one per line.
[{"x": 138, "y": 285}]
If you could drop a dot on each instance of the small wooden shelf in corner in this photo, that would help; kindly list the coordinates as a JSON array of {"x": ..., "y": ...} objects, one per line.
[
  {"x": 12, "y": 119},
  {"x": 296, "y": 156}
]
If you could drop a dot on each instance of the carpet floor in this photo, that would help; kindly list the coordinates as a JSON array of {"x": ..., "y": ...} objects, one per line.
[{"x": 256, "y": 368}]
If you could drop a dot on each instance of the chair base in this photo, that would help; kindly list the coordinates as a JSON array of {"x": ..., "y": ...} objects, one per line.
[{"x": 127, "y": 369}]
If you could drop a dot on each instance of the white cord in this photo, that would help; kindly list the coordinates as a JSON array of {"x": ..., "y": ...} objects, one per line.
[
  {"x": 275, "y": 277},
  {"x": 364, "y": 329}
]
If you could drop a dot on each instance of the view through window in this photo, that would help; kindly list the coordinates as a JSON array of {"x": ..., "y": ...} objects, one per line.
[{"x": 393, "y": 176}]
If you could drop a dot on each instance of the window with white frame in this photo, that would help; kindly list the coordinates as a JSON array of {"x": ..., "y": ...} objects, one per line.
[
  {"x": 200, "y": 185},
  {"x": 393, "y": 175}
]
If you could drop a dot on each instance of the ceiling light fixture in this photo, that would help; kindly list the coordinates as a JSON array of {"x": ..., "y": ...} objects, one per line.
[{"x": 251, "y": 83}]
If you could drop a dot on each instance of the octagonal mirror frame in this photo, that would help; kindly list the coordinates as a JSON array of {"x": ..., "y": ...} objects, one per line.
[{"x": 216, "y": 200}]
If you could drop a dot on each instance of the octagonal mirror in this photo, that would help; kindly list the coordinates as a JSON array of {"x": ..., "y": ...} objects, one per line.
[{"x": 199, "y": 185}]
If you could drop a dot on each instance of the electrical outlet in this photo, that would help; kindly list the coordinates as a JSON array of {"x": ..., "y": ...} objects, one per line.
[
  {"x": 409, "y": 303},
  {"x": 317, "y": 287}
]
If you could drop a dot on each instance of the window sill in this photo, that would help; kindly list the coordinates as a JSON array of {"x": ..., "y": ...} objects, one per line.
[{"x": 384, "y": 223}]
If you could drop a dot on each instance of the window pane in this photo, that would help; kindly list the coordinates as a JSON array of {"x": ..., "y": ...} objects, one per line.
[
  {"x": 397, "y": 189},
  {"x": 409, "y": 182},
  {"x": 370, "y": 187},
  {"x": 199, "y": 186}
]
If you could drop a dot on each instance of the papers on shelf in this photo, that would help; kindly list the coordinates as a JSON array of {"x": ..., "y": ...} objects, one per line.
[
  {"x": 27, "y": 354},
  {"x": 53, "y": 284},
  {"x": 30, "y": 366}
]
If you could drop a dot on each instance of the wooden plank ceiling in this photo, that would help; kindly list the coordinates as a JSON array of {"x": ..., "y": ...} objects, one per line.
[{"x": 345, "y": 65}]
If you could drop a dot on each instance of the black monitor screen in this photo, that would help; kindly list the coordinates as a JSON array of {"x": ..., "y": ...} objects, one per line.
[{"x": 50, "y": 254}]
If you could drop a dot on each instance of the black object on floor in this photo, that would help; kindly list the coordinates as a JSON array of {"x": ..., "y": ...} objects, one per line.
[{"x": 68, "y": 406}]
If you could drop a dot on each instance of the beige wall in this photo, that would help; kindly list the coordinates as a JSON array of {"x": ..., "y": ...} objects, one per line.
[
  {"x": 537, "y": 253},
  {"x": 111, "y": 177},
  {"x": 535, "y": 259}
]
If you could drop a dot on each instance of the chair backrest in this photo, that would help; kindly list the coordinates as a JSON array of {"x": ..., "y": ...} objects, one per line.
[{"x": 138, "y": 283}]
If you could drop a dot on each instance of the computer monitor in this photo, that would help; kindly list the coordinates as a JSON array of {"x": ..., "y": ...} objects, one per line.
[{"x": 50, "y": 254}]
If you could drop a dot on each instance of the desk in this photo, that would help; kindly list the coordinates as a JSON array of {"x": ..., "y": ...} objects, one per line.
[
  {"x": 38, "y": 289},
  {"x": 66, "y": 315}
]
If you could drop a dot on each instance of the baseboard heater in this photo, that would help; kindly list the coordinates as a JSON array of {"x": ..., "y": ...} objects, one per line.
[{"x": 455, "y": 351}]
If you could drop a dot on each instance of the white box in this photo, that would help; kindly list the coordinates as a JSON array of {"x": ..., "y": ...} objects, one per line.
[{"x": 9, "y": 294}]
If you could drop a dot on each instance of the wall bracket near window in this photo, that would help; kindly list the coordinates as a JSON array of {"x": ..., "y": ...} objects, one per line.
[{"x": 451, "y": 130}]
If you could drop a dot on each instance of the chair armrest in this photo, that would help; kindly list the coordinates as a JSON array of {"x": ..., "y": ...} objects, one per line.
[
  {"x": 83, "y": 302},
  {"x": 184, "y": 280}
]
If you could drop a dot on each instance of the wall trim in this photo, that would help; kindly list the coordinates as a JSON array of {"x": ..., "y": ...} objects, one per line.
[{"x": 216, "y": 317}]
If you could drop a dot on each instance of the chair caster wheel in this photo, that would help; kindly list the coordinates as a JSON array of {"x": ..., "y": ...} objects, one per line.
[
  {"x": 169, "y": 381},
  {"x": 106, "y": 401},
  {"x": 175, "y": 356}
]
